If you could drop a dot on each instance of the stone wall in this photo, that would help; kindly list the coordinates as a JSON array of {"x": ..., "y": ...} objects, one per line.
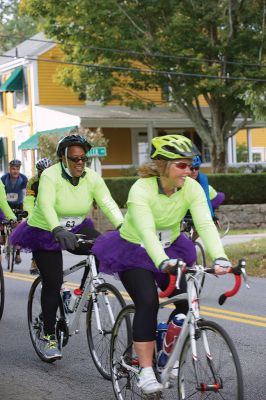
[{"x": 240, "y": 216}]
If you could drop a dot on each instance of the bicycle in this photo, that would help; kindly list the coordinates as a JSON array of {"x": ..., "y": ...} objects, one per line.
[
  {"x": 208, "y": 365},
  {"x": 222, "y": 222},
  {"x": 9, "y": 250},
  {"x": 104, "y": 302},
  {"x": 2, "y": 291}
]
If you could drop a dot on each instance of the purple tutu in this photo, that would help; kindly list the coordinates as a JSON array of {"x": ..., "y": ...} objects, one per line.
[
  {"x": 30, "y": 238},
  {"x": 218, "y": 200},
  {"x": 2, "y": 215},
  {"x": 117, "y": 255}
]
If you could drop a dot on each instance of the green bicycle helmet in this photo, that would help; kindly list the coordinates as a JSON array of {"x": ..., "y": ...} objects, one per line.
[{"x": 171, "y": 147}]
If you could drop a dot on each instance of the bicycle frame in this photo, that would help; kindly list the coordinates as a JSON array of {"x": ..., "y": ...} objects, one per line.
[
  {"x": 90, "y": 285},
  {"x": 189, "y": 325}
]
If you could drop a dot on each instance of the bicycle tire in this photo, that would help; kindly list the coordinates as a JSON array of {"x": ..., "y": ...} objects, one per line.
[
  {"x": 99, "y": 342},
  {"x": 201, "y": 259},
  {"x": 223, "y": 226},
  {"x": 2, "y": 291},
  {"x": 124, "y": 381},
  {"x": 223, "y": 362},
  {"x": 12, "y": 258},
  {"x": 34, "y": 316}
]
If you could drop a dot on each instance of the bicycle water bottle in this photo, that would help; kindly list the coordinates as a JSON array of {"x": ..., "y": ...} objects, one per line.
[
  {"x": 66, "y": 298},
  {"x": 170, "y": 338},
  {"x": 160, "y": 333}
]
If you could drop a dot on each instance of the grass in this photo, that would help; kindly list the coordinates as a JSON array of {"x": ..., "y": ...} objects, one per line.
[
  {"x": 246, "y": 231},
  {"x": 254, "y": 252}
]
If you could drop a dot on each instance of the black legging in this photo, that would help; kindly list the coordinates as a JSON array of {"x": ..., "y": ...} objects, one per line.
[
  {"x": 50, "y": 265},
  {"x": 141, "y": 286}
]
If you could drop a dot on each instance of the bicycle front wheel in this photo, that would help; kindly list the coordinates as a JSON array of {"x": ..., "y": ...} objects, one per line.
[
  {"x": 216, "y": 372},
  {"x": 201, "y": 259},
  {"x": 106, "y": 305},
  {"x": 2, "y": 291},
  {"x": 10, "y": 256},
  {"x": 223, "y": 223}
]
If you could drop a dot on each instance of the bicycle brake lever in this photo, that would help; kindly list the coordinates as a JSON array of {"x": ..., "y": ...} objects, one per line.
[{"x": 245, "y": 277}]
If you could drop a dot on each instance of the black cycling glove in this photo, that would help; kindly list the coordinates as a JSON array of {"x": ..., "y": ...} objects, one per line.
[{"x": 66, "y": 239}]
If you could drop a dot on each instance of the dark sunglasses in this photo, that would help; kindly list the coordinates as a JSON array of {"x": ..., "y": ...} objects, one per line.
[
  {"x": 194, "y": 168},
  {"x": 77, "y": 159}
]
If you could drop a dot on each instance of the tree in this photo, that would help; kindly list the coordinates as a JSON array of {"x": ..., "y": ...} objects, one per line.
[
  {"x": 14, "y": 28},
  {"x": 192, "y": 40}
]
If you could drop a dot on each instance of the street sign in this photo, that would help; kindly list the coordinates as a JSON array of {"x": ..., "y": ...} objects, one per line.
[{"x": 97, "y": 152}]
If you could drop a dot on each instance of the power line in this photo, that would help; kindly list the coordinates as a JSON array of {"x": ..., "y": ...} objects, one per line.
[
  {"x": 153, "y": 55},
  {"x": 146, "y": 71}
]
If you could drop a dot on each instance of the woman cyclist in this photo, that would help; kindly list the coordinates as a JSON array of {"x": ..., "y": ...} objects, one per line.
[
  {"x": 31, "y": 195},
  {"x": 145, "y": 249},
  {"x": 65, "y": 196}
]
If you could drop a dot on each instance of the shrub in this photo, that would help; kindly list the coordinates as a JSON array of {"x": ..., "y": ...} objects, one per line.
[{"x": 238, "y": 188}]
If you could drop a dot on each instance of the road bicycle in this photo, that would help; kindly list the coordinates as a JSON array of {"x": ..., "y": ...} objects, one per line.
[
  {"x": 102, "y": 302},
  {"x": 2, "y": 291},
  {"x": 8, "y": 249},
  {"x": 204, "y": 358}
]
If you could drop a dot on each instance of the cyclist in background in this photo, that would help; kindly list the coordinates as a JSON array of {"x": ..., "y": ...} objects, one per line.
[
  {"x": 214, "y": 199},
  {"x": 65, "y": 196},
  {"x": 146, "y": 248},
  {"x": 15, "y": 186},
  {"x": 31, "y": 194}
]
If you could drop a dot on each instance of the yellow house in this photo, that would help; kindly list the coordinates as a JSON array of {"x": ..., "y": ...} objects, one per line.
[{"x": 33, "y": 102}]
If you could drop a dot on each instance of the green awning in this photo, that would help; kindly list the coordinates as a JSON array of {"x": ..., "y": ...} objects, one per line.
[
  {"x": 33, "y": 142},
  {"x": 14, "y": 82}
]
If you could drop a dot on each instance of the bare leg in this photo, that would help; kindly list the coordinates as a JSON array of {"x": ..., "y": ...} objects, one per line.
[{"x": 144, "y": 352}]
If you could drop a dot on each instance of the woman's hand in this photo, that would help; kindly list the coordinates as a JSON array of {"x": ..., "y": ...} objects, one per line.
[{"x": 222, "y": 266}]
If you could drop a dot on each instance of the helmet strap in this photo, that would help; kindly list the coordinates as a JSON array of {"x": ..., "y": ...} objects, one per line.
[{"x": 66, "y": 168}]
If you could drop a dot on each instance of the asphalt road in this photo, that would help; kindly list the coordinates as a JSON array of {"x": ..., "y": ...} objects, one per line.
[{"x": 23, "y": 376}]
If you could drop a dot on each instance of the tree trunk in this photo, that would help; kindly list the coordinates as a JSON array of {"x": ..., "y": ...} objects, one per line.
[{"x": 218, "y": 157}]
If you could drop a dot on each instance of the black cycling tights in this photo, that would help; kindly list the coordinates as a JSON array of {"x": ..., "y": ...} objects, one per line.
[
  {"x": 141, "y": 286},
  {"x": 50, "y": 265}
]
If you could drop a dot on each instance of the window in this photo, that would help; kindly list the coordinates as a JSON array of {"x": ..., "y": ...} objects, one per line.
[{"x": 20, "y": 97}]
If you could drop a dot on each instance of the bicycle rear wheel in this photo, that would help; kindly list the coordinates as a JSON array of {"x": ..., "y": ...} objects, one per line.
[
  {"x": 216, "y": 373},
  {"x": 108, "y": 303},
  {"x": 122, "y": 354},
  {"x": 35, "y": 319},
  {"x": 2, "y": 291}
]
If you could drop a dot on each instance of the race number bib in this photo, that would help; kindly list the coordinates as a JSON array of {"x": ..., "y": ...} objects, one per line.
[
  {"x": 70, "y": 222},
  {"x": 12, "y": 197},
  {"x": 164, "y": 237}
]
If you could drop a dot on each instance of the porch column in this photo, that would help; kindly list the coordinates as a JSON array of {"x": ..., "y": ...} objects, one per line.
[
  {"x": 150, "y": 135},
  {"x": 249, "y": 144}
]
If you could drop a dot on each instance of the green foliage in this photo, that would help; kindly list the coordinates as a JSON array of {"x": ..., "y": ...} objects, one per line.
[
  {"x": 48, "y": 143},
  {"x": 238, "y": 188},
  {"x": 242, "y": 152},
  {"x": 14, "y": 27},
  {"x": 119, "y": 188},
  {"x": 213, "y": 38},
  {"x": 131, "y": 171}
]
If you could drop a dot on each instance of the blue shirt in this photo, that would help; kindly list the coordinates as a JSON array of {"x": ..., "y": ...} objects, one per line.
[
  {"x": 203, "y": 181},
  {"x": 15, "y": 191}
]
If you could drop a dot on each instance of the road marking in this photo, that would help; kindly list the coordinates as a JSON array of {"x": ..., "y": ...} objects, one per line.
[{"x": 208, "y": 311}]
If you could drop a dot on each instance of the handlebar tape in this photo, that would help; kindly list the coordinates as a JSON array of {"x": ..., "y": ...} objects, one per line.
[
  {"x": 232, "y": 292},
  {"x": 170, "y": 288}
]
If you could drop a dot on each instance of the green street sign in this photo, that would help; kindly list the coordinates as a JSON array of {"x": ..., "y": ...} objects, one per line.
[{"x": 97, "y": 152}]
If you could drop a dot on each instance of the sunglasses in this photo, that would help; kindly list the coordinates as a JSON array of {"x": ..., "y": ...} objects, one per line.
[
  {"x": 77, "y": 159},
  {"x": 194, "y": 168},
  {"x": 182, "y": 165}
]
